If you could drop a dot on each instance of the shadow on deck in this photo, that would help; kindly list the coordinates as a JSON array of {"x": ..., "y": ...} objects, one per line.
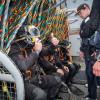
[{"x": 79, "y": 81}]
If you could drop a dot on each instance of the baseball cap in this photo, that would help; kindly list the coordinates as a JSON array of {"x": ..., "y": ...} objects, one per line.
[{"x": 80, "y": 7}]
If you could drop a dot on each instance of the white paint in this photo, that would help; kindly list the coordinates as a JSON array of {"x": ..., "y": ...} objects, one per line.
[{"x": 75, "y": 41}]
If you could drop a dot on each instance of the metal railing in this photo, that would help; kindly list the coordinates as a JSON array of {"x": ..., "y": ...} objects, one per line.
[{"x": 11, "y": 80}]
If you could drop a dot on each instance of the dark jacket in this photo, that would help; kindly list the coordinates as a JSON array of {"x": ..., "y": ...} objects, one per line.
[
  {"x": 95, "y": 15},
  {"x": 87, "y": 30},
  {"x": 44, "y": 62},
  {"x": 92, "y": 25},
  {"x": 23, "y": 63}
]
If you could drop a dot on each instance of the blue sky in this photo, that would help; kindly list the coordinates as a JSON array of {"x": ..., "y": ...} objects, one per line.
[{"x": 74, "y": 4}]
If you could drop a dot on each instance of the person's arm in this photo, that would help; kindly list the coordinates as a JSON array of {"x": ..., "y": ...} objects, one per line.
[
  {"x": 81, "y": 54},
  {"x": 46, "y": 65},
  {"x": 95, "y": 15},
  {"x": 81, "y": 36},
  {"x": 25, "y": 63}
]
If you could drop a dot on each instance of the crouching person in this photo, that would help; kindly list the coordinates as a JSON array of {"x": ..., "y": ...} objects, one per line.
[
  {"x": 64, "y": 59},
  {"x": 24, "y": 57}
]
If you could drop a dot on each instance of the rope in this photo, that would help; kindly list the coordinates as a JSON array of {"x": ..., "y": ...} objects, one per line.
[
  {"x": 4, "y": 23},
  {"x": 20, "y": 23},
  {"x": 39, "y": 17}
]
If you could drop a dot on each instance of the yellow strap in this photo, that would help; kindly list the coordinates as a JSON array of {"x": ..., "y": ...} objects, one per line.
[{"x": 4, "y": 87}]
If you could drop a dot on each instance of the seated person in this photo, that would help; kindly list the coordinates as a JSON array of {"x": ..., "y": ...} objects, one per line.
[
  {"x": 66, "y": 59},
  {"x": 23, "y": 56}
]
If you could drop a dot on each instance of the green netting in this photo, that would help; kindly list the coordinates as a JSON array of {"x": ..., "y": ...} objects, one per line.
[{"x": 41, "y": 15}]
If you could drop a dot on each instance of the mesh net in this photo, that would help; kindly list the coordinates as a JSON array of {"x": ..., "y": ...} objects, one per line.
[{"x": 7, "y": 89}]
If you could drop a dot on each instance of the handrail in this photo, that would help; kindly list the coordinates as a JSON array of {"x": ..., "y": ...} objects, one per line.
[{"x": 16, "y": 74}]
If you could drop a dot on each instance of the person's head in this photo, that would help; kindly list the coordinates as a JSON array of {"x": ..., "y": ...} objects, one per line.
[
  {"x": 51, "y": 39},
  {"x": 83, "y": 10},
  {"x": 65, "y": 44},
  {"x": 28, "y": 34}
]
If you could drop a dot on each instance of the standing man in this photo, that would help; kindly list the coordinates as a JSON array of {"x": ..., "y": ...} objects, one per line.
[
  {"x": 87, "y": 30},
  {"x": 95, "y": 12}
]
